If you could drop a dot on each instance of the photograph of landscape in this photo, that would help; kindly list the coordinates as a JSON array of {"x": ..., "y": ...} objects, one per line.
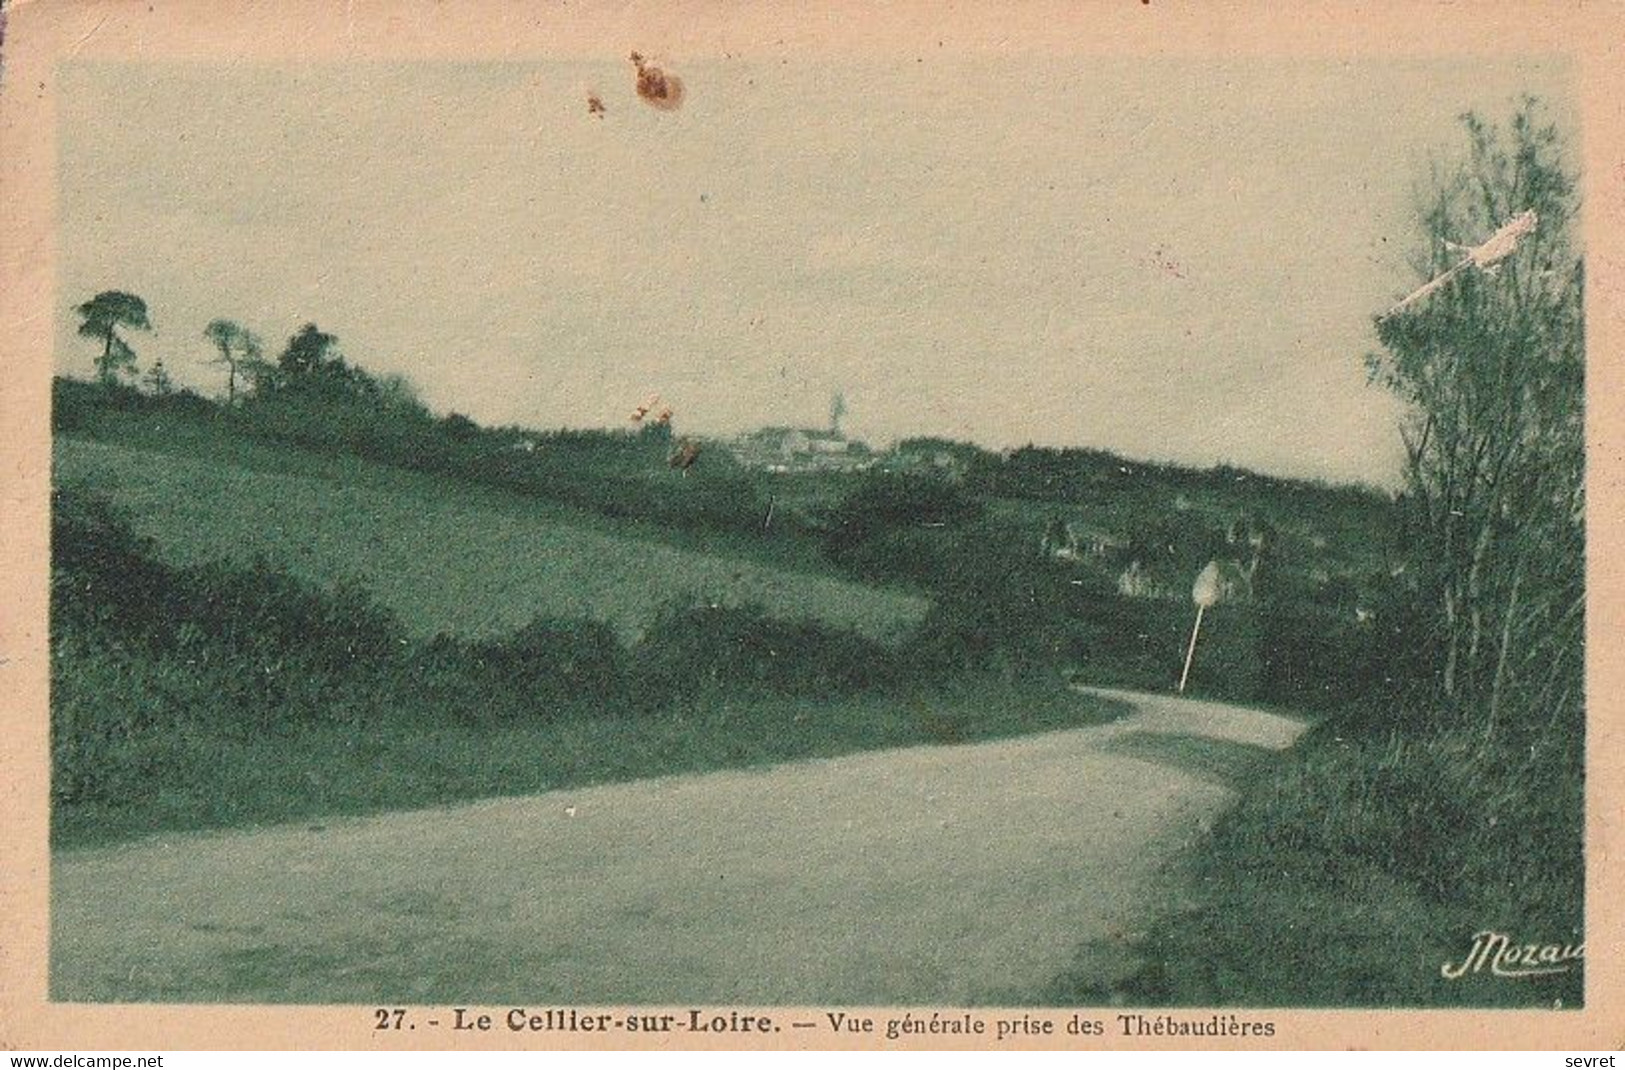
[{"x": 946, "y": 530}]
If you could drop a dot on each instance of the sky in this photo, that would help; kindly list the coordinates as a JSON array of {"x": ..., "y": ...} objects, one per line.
[{"x": 1174, "y": 259}]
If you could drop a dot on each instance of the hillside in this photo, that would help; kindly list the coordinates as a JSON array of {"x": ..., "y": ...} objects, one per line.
[{"x": 445, "y": 556}]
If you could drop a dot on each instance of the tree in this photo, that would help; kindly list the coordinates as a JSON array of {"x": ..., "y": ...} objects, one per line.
[
  {"x": 240, "y": 352},
  {"x": 311, "y": 364},
  {"x": 309, "y": 353},
  {"x": 103, "y": 315},
  {"x": 1492, "y": 367},
  {"x": 460, "y": 427},
  {"x": 399, "y": 395}
]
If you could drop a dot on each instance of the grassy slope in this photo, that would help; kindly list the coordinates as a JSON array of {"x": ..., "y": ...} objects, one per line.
[
  {"x": 1349, "y": 875},
  {"x": 444, "y": 556}
]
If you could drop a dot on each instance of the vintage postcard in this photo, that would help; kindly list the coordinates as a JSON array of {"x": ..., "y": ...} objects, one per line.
[{"x": 694, "y": 525}]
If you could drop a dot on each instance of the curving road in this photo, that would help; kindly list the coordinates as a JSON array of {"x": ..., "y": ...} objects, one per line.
[{"x": 956, "y": 875}]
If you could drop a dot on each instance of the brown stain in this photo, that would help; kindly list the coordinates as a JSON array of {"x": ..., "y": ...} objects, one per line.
[
  {"x": 683, "y": 457},
  {"x": 595, "y": 106},
  {"x": 1161, "y": 259},
  {"x": 648, "y": 410},
  {"x": 657, "y": 88}
]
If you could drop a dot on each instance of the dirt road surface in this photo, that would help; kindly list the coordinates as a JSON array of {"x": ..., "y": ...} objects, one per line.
[{"x": 948, "y": 875}]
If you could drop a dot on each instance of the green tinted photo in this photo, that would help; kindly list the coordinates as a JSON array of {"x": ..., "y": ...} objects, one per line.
[{"x": 732, "y": 531}]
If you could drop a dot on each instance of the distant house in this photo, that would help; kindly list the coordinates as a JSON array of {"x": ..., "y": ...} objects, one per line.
[
  {"x": 1060, "y": 542},
  {"x": 1136, "y": 582},
  {"x": 788, "y": 442},
  {"x": 941, "y": 457},
  {"x": 1250, "y": 536},
  {"x": 1235, "y": 582},
  {"x": 1249, "y": 530},
  {"x": 827, "y": 443},
  {"x": 1070, "y": 541},
  {"x": 1232, "y": 583}
]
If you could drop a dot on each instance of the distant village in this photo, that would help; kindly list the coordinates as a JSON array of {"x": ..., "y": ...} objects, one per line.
[
  {"x": 1248, "y": 538},
  {"x": 783, "y": 450}
]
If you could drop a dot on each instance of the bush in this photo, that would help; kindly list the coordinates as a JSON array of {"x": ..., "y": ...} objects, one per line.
[
  {"x": 1446, "y": 811},
  {"x": 1173, "y": 547},
  {"x": 125, "y": 711},
  {"x": 265, "y": 610},
  {"x": 564, "y": 658},
  {"x": 693, "y": 648},
  {"x": 1366, "y": 862},
  {"x": 74, "y": 405},
  {"x": 893, "y": 506},
  {"x": 543, "y": 669},
  {"x": 996, "y": 611},
  {"x": 100, "y": 569},
  {"x": 107, "y": 708},
  {"x": 1142, "y": 643},
  {"x": 1313, "y": 658}
]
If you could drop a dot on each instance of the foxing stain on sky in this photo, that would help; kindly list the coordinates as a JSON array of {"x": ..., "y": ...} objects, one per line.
[{"x": 1173, "y": 259}]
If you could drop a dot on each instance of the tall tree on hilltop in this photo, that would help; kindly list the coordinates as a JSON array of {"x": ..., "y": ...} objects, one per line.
[{"x": 102, "y": 316}]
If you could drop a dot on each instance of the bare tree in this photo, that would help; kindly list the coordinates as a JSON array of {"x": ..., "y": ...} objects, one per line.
[
  {"x": 240, "y": 352},
  {"x": 1492, "y": 366}
]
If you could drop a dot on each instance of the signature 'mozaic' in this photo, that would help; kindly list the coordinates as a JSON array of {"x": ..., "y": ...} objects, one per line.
[{"x": 1506, "y": 958}]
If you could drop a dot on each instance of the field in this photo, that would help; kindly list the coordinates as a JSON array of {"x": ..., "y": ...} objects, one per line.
[{"x": 443, "y": 556}]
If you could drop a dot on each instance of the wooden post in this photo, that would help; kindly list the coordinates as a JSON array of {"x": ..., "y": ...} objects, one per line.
[{"x": 1191, "y": 653}]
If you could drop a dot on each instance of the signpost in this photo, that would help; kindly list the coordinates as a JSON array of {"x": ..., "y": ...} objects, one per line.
[{"x": 1204, "y": 592}]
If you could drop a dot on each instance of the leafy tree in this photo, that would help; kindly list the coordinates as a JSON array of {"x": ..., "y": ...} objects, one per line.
[
  {"x": 887, "y": 524},
  {"x": 1492, "y": 369},
  {"x": 459, "y": 426},
  {"x": 309, "y": 354},
  {"x": 397, "y": 394},
  {"x": 240, "y": 353},
  {"x": 103, "y": 315},
  {"x": 312, "y": 365}
]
